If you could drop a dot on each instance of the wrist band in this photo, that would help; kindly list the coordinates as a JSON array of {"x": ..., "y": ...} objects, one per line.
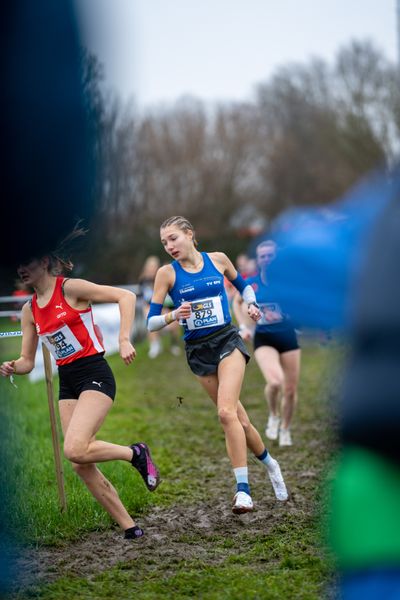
[
  {"x": 170, "y": 317},
  {"x": 254, "y": 304}
]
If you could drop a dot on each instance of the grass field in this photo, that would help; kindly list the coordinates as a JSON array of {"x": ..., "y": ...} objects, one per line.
[{"x": 194, "y": 546}]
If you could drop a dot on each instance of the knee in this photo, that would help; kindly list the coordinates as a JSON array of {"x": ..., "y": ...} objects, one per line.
[
  {"x": 227, "y": 416},
  {"x": 275, "y": 384},
  {"x": 85, "y": 472},
  {"x": 74, "y": 451},
  {"x": 290, "y": 390},
  {"x": 245, "y": 422}
]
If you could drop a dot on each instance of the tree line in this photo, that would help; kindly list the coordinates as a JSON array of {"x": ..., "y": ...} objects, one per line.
[{"x": 309, "y": 133}]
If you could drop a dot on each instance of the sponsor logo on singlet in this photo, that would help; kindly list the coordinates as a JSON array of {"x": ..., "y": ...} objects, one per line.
[{"x": 186, "y": 289}]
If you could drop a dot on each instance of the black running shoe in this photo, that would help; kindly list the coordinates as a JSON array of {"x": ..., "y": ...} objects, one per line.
[
  {"x": 141, "y": 460},
  {"x": 133, "y": 532}
]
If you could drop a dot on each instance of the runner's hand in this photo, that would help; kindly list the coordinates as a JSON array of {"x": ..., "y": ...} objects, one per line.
[
  {"x": 127, "y": 352},
  {"x": 184, "y": 311},
  {"x": 7, "y": 368},
  {"x": 245, "y": 333},
  {"x": 254, "y": 312}
]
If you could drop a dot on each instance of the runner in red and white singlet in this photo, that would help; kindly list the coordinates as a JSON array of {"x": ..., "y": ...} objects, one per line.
[
  {"x": 60, "y": 315},
  {"x": 67, "y": 332}
]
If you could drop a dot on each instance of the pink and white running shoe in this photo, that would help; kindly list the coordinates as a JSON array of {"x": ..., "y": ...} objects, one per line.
[{"x": 142, "y": 461}]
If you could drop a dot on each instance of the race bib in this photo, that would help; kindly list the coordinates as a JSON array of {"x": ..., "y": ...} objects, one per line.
[
  {"x": 271, "y": 313},
  {"x": 206, "y": 313},
  {"x": 62, "y": 343}
]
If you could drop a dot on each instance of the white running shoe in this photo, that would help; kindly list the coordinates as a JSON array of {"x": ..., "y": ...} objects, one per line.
[
  {"x": 242, "y": 503},
  {"x": 175, "y": 350},
  {"x": 272, "y": 428},
  {"x": 285, "y": 437},
  {"x": 275, "y": 475},
  {"x": 154, "y": 350}
]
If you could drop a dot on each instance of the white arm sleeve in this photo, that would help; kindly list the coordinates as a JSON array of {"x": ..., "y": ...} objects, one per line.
[
  {"x": 248, "y": 294},
  {"x": 158, "y": 322}
]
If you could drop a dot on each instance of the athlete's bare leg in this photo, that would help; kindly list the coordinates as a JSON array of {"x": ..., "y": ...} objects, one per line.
[
  {"x": 291, "y": 368},
  {"x": 224, "y": 390},
  {"x": 97, "y": 484},
  {"x": 268, "y": 360}
]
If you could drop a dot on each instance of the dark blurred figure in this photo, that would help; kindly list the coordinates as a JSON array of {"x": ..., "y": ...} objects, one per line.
[
  {"x": 365, "y": 528},
  {"x": 47, "y": 165},
  {"x": 340, "y": 270}
]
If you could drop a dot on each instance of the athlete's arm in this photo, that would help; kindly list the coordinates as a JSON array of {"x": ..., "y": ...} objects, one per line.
[
  {"x": 226, "y": 267},
  {"x": 246, "y": 325},
  {"x": 80, "y": 290},
  {"x": 25, "y": 363},
  {"x": 164, "y": 281}
]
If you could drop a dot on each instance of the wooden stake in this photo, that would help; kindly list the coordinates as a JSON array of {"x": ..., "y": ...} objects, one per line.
[{"x": 54, "y": 431}]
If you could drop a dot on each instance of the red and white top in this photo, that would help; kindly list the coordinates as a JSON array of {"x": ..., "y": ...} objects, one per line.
[{"x": 67, "y": 332}]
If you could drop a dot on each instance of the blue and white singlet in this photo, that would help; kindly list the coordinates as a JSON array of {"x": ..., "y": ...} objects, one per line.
[
  {"x": 206, "y": 293},
  {"x": 273, "y": 319}
]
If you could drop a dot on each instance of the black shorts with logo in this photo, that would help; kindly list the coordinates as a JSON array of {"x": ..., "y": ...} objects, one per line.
[
  {"x": 282, "y": 341},
  {"x": 86, "y": 373},
  {"x": 204, "y": 354}
]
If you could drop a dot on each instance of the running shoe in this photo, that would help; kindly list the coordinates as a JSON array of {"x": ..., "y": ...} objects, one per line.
[
  {"x": 275, "y": 475},
  {"x": 142, "y": 461},
  {"x": 155, "y": 349},
  {"x": 175, "y": 350},
  {"x": 133, "y": 533},
  {"x": 285, "y": 437},
  {"x": 242, "y": 503},
  {"x": 272, "y": 428}
]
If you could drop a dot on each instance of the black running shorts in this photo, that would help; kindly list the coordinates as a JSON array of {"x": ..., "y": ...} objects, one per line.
[
  {"x": 87, "y": 373},
  {"x": 204, "y": 354},
  {"x": 282, "y": 341}
]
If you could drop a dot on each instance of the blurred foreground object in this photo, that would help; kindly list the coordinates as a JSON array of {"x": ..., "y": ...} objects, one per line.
[
  {"x": 365, "y": 527},
  {"x": 47, "y": 166},
  {"x": 340, "y": 269},
  {"x": 323, "y": 249}
]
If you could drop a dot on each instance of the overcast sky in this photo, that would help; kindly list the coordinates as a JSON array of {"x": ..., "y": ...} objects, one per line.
[{"x": 217, "y": 50}]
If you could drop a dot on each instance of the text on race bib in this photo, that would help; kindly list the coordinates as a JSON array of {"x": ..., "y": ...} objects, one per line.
[
  {"x": 62, "y": 343},
  {"x": 270, "y": 313},
  {"x": 206, "y": 312}
]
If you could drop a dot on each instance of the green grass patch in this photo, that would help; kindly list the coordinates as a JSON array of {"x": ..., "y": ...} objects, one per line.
[{"x": 161, "y": 403}]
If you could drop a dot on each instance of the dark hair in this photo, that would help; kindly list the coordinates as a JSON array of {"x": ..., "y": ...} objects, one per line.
[
  {"x": 60, "y": 258},
  {"x": 182, "y": 224}
]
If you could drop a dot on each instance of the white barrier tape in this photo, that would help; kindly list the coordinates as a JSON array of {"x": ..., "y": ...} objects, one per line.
[
  {"x": 16, "y": 299},
  {"x": 10, "y": 334}
]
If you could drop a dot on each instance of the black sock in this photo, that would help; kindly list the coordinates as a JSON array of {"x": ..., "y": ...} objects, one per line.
[{"x": 133, "y": 532}]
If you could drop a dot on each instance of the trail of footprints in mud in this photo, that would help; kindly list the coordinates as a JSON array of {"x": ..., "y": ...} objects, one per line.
[{"x": 171, "y": 535}]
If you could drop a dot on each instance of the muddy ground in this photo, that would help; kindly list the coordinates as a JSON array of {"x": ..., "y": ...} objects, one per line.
[{"x": 172, "y": 535}]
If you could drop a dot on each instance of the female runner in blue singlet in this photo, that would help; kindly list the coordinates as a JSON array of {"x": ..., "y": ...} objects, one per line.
[
  {"x": 276, "y": 348},
  {"x": 214, "y": 349}
]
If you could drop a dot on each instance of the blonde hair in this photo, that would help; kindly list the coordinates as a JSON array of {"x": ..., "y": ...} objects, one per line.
[{"x": 182, "y": 224}]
